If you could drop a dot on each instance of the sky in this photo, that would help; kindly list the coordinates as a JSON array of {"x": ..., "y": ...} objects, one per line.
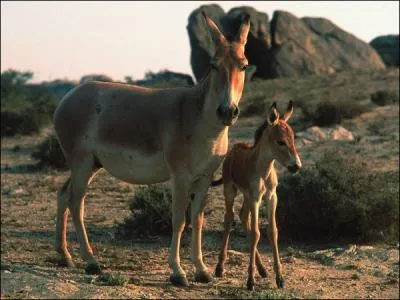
[{"x": 67, "y": 39}]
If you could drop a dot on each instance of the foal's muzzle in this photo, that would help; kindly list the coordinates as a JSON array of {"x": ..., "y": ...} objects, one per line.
[{"x": 228, "y": 115}]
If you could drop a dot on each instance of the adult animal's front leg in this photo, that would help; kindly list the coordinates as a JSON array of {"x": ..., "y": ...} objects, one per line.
[
  {"x": 180, "y": 195},
  {"x": 198, "y": 197},
  {"x": 273, "y": 237}
]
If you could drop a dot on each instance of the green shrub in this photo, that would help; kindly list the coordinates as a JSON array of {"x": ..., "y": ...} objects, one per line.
[
  {"x": 151, "y": 209},
  {"x": 329, "y": 113},
  {"x": 339, "y": 199},
  {"x": 25, "y": 108},
  {"x": 384, "y": 97},
  {"x": 13, "y": 123},
  {"x": 112, "y": 279},
  {"x": 49, "y": 154},
  {"x": 151, "y": 212}
]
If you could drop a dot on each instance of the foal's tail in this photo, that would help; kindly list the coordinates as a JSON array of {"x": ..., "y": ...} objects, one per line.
[{"x": 217, "y": 182}]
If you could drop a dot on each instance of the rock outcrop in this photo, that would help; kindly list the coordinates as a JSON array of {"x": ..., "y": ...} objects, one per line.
[
  {"x": 321, "y": 134},
  {"x": 316, "y": 46},
  {"x": 387, "y": 47},
  {"x": 286, "y": 46}
]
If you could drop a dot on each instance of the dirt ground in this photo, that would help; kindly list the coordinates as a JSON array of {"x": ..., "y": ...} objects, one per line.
[{"x": 29, "y": 263}]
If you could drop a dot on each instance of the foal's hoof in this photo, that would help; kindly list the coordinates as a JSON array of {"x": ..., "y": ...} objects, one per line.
[
  {"x": 179, "y": 280},
  {"x": 279, "y": 281},
  {"x": 262, "y": 271},
  {"x": 93, "y": 269},
  {"x": 203, "y": 277},
  {"x": 219, "y": 271},
  {"x": 250, "y": 284}
]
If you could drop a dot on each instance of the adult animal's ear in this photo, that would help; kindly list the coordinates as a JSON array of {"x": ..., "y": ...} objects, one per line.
[
  {"x": 241, "y": 36},
  {"x": 289, "y": 111},
  {"x": 216, "y": 34},
  {"x": 273, "y": 115}
]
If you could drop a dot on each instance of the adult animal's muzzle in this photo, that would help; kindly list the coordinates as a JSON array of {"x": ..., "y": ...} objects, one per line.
[{"x": 228, "y": 115}]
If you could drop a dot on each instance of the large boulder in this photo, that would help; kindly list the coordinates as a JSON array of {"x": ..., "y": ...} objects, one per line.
[
  {"x": 316, "y": 46},
  {"x": 258, "y": 40},
  {"x": 202, "y": 47},
  {"x": 288, "y": 46},
  {"x": 387, "y": 47}
]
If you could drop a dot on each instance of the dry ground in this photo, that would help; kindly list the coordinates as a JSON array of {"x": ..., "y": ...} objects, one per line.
[{"x": 29, "y": 263}]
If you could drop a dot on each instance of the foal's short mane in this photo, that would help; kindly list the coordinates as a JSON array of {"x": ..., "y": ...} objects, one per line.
[{"x": 259, "y": 131}]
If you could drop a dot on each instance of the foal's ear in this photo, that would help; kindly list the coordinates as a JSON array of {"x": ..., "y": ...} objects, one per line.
[
  {"x": 216, "y": 34},
  {"x": 241, "y": 36},
  {"x": 273, "y": 115},
  {"x": 286, "y": 116}
]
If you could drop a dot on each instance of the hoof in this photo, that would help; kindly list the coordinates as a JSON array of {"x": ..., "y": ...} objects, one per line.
[
  {"x": 262, "y": 271},
  {"x": 92, "y": 269},
  {"x": 203, "y": 277},
  {"x": 279, "y": 281},
  {"x": 250, "y": 284},
  {"x": 66, "y": 263},
  {"x": 219, "y": 271},
  {"x": 179, "y": 280}
]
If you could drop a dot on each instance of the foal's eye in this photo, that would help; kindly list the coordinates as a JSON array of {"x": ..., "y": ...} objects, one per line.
[
  {"x": 244, "y": 67},
  {"x": 281, "y": 143}
]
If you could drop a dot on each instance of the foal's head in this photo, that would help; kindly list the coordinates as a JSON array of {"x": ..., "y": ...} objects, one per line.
[
  {"x": 280, "y": 138},
  {"x": 227, "y": 70}
]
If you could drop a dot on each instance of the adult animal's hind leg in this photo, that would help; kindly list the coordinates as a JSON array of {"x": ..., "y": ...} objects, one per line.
[
  {"x": 82, "y": 172},
  {"x": 229, "y": 193},
  {"x": 246, "y": 224},
  {"x": 61, "y": 224}
]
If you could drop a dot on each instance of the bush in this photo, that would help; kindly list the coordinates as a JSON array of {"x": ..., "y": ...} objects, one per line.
[
  {"x": 13, "y": 123},
  {"x": 329, "y": 113},
  {"x": 49, "y": 154},
  {"x": 151, "y": 209},
  {"x": 384, "y": 97},
  {"x": 151, "y": 212},
  {"x": 112, "y": 279},
  {"x": 25, "y": 108},
  {"x": 339, "y": 199}
]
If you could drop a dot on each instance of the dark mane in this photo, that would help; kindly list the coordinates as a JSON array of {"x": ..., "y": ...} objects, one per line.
[{"x": 259, "y": 131}]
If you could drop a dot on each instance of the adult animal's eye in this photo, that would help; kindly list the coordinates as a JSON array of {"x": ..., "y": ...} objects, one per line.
[{"x": 281, "y": 143}]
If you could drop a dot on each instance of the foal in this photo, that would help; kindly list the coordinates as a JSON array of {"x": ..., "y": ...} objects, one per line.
[{"x": 251, "y": 170}]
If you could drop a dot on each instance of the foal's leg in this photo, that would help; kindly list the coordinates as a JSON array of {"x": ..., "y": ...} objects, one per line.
[
  {"x": 180, "y": 196},
  {"x": 82, "y": 172},
  {"x": 61, "y": 224},
  {"x": 229, "y": 193},
  {"x": 244, "y": 217},
  {"x": 199, "y": 196},
  {"x": 254, "y": 236},
  {"x": 273, "y": 237}
]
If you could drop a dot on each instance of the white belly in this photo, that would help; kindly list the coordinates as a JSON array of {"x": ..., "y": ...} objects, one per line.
[{"x": 133, "y": 166}]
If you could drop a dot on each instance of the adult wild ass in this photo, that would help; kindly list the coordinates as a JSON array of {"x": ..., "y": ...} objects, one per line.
[
  {"x": 145, "y": 136},
  {"x": 250, "y": 169}
]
